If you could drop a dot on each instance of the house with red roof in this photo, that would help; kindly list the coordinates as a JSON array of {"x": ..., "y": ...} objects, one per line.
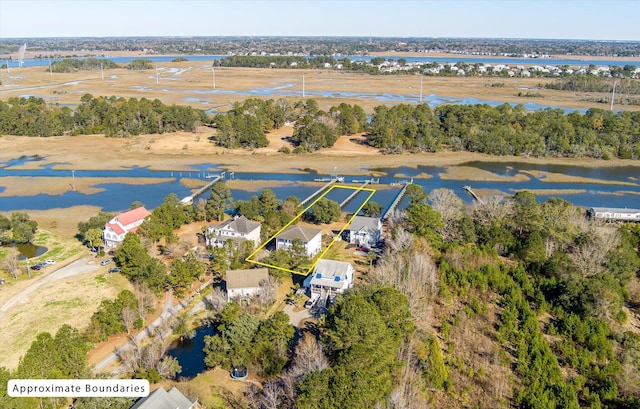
[{"x": 118, "y": 227}]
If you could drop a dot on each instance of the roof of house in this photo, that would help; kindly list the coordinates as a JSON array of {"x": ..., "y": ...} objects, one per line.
[
  {"x": 615, "y": 210},
  {"x": 115, "y": 227},
  {"x": 330, "y": 273},
  {"x": 246, "y": 278},
  {"x": 364, "y": 223},
  {"x": 133, "y": 216},
  {"x": 239, "y": 224},
  {"x": 303, "y": 233},
  {"x": 161, "y": 399}
]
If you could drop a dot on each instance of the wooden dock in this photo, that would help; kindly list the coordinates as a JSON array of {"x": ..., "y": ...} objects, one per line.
[
  {"x": 194, "y": 197},
  {"x": 395, "y": 202},
  {"x": 354, "y": 194},
  {"x": 317, "y": 192},
  {"x": 472, "y": 193}
]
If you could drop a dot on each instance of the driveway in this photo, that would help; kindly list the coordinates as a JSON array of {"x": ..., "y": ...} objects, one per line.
[{"x": 78, "y": 267}]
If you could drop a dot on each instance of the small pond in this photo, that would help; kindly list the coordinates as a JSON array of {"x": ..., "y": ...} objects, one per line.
[
  {"x": 29, "y": 250},
  {"x": 190, "y": 354}
]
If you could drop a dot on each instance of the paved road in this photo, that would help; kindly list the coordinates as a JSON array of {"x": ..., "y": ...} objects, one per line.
[{"x": 78, "y": 267}]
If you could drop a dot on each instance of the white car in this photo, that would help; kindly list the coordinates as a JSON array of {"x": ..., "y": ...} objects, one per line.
[{"x": 50, "y": 262}]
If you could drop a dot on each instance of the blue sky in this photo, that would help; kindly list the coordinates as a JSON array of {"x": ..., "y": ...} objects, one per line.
[{"x": 565, "y": 19}]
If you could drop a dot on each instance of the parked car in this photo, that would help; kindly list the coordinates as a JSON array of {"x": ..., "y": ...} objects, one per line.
[
  {"x": 114, "y": 270},
  {"x": 112, "y": 253},
  {"x": 42, "y": 264},
  {"x": 50, "y": 262},
  {"x": 36, "y": 267},
  {"x": 105, "y": 262},
  {"x": 310, "y": 303}
]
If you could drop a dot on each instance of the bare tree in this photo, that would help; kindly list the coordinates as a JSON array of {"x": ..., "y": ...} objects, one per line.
[
  {"x": 309, "y": 357},
  {"x": 146, "y": 299},
  {"x": 493, "y": 208},
  {"x": 271, "y": 395},
  {"x": 267, "y": 291},
  {"x": 129, "y": 317},
  {"x": 408, "y": 393},
  {"x": 445, "y": 202},
  {"x": 10, "y": 262},
  {"x": 217, "y": 299}
]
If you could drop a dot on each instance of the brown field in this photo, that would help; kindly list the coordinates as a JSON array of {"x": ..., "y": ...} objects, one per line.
[
  {"x": 191, "y": 83},
  {"x": 71, "y": 301}
]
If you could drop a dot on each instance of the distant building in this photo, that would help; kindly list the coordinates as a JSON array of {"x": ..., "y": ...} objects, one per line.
[
  {"x": 615, "y": 214},
  {"x": 246, "y": 283},
  {"x": 365, "y": 231},
  {"x": 161, "y": 399},
  {"x": 310, "y": 237},
  {"x": 330, "y": 277},
  {"x": 237, "y": 229},
  {"x": 118, "y": 227}
]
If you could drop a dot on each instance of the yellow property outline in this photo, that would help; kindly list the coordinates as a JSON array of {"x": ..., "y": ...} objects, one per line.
[{"x": 336, "y": 238}]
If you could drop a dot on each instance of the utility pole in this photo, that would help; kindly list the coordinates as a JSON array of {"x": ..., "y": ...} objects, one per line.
[
  {"x": 421, "y": 77},
  {"x": 302, "y": 85},
  {"x": 213, "y": 73},
  {"x": 613, "y": 95},
  {"x": 73, "y": 179}
]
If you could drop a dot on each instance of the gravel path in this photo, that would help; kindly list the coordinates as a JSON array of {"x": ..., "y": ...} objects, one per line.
[{"x": 79, "y": 267}]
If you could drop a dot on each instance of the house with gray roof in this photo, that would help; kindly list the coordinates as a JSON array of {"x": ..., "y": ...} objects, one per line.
[
  {"x": 310, "y": 237},
  {"x": 365, "y": 231},
  {"x": 246, "y": 283},
  {"x": 330, "y": 277},
  {"x": 237, "y": 229},
  {"x": 161, "y": 399}
]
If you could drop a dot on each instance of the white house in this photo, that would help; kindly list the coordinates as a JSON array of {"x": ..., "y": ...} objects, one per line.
[
  {"x": 237, "y": 229},
  {"x": 365, "y": 231},
  {"x": 615, "y": 214},
  {"x": 310, "y": 237},
  {"x": 246, "y": 283},
  {"x": 330, "y": 277},
  {"x": 118, "y": 227}
]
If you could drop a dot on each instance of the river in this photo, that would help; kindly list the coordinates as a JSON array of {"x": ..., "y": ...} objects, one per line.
[{"x": 119, "y": 196}]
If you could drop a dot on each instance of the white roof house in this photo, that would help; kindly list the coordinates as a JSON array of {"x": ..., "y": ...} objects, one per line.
[
  {"x": 237, "y": 229},
  {"x": 246, "y": 283},
  {"x": 118, "y": 227},
  {"x": 330, "y": 277},
  {"x": 365, "y": 231},
  {"x": 615, "y": 214},
  {"x": 310, "y": 237}
]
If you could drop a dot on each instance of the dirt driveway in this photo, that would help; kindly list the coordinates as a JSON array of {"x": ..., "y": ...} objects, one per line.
[{"x": 82, "y": 266}]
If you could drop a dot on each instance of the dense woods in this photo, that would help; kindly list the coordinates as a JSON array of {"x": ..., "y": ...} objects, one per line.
[
  {"x": 500, "y": 130},
  {"x": 111, "y": 116},
  {"x": 506, "y": 130}
]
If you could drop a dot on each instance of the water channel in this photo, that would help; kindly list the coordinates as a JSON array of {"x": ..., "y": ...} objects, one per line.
[{"x": 119, "y": 196}]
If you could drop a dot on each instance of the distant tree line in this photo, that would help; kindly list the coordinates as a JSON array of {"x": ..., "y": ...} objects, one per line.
[
  {"x": 591, "y": 83},
  {"x": 112, "y": 116},
  {"x": 279, "y": 61},
  {"x": 73, "y": 65},
  {"x": 326, "y": 46}
]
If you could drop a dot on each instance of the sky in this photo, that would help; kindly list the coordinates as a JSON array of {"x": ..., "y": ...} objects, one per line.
[{"x": 550, "y": 19}]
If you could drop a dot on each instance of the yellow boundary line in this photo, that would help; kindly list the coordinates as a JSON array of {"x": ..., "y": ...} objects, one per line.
[{"x": 335, "y": 239}]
